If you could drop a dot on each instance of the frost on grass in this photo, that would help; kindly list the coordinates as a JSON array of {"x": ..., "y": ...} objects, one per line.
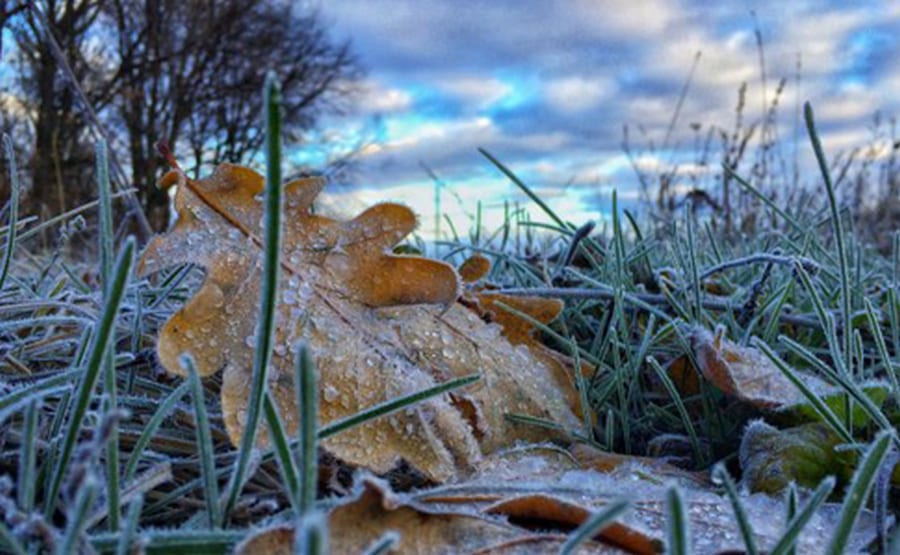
[{"x": 379, "y": 326}]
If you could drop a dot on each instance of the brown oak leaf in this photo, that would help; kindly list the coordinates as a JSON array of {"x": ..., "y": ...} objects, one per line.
[{"x": 379, "y": 326}]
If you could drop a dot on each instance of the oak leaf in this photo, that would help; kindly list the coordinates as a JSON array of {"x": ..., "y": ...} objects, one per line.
[
  {"x": 508, "y": 311},
  {"x": 379, "y": 326}
]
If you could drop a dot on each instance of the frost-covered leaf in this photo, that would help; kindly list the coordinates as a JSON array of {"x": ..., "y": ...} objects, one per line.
[
  {"x": 548, "y": 492},
  {"x": 379, "y": 326},
  {"x": 527, "y": 500},
  {"x": 746, "y": 373},
  {"x": 374, "y": 510},
  {"x": 507, "y": 311}
]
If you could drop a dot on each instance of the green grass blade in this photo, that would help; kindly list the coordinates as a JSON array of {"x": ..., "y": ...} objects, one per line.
[
  {"x": 13, "y": 210},
  {"x": 740, "y": 514},
  {"x": 677, "y": 529},
  {"x": 592, "y": 526},
  {"x": 104, "y": 193},
  {"x": 9, "y": 542},
  {"x": 165, "y": 407},
  {"x": 308, "y": 407},
  {"x": 679, "y": 406},
  {"x": 797, "y": 522},
  {"x": 858, "y": 492},
  {"x": 27, "y": 457},
  {"x": 791, "y": 502},
  {"x": 97, "y": 354},
  {"x": 818, "y": 404},
  {"x": 388, "y": 407},
  {"x": 852, "y": 390},
  {"x": 881, "y": 345},
  {"x": 109, "y": 386},
  {"x": 692, "y": 264},
  {"x": 204, "y": 444},
  {"x": 126, "y": 538},
  {"x": 265, "y": 336},
  {"x": 843, "y": 264},
  {"x": 281, "y": 448},
  {"x": 176, "y": 541},
  {"x": 525, "y": 188}
]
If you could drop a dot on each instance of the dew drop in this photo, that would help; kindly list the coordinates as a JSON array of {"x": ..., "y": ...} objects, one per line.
[{"x": 329, "y": 393}]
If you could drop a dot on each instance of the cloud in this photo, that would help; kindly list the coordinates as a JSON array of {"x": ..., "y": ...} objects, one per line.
[
  {"x": 548, "y": 86},
  {"x": 479, "y": 92},
  {"x": 576, "y": 93},
  {"x": 376, "y": 98}
]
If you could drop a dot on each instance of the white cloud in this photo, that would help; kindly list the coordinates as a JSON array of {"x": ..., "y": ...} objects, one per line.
[
  {"x": 480, "y": 92},
  {"x": 625, "y": 18},
  {"x": 576, "y": 94},
  {"x": 376, "y": 98}
]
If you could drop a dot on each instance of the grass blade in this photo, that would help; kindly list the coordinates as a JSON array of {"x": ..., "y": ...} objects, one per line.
[
  {"x": 677, "y": 530},
  {"x": 204, "y": 444},
  {"x": 165, "y": 407},
  {"x": 797, "y": 522},
  {"x": 384, "y": 544},
  {"x": 97, "y": 354},
  {"x": 858, "y": 492},
  {"x": 592, "y": 526},
  {"x": 109, "y": 386},
  {"x": 269, "y": 289},
  {"x": 307, "y": 402},
  {"x": 77, "y": 516},
  {"x": 311, "y": 536},
  {"x": 817, "y": 403},
  {"x": 838, "y": 232},
  {"x": 679, "y": 405},
  {"x": 8, "y": 541},
  {"x": 388, "y": 407},
  {"x": 126, "y": 538},
  {"x": 13, "y": 210},
  {"x": 27, "y": 457},
  {"x": 740, "y": 514},
  {"x": 282, "y": 450},
  {"x": 525, "y": 188}
]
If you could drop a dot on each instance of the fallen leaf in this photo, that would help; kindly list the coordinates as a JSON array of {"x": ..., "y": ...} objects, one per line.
[
  {"x": 474, "y": 268},
  {"x": 379, "y": 326},
  {"x": 495, "y": 307},
  {"x": 359, "y": 521},
  {"x": 529, "y": 499},
  {"x": 546, "y": 491},
  {"x": 747, "y": 374}
]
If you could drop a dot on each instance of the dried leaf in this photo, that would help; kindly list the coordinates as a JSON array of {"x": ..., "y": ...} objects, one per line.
[
  {"x": 746, "y": 373},
  {"x": 545, "y": 491},
  {"x": 374, "y": 510},
  {"x": 474, "y": 268},
  {"x": 527, "y": 500},
  {"x": 492, "y": 307},
  {"x": 379, "y": 326}
]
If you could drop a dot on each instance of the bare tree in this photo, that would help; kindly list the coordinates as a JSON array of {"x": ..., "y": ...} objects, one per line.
[
  {"x": 188, "y": 72},
  {"x": 60, "y": 154}
]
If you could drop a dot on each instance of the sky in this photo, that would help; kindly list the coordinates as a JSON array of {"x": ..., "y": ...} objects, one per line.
[{"x": 547, "y": 86}]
